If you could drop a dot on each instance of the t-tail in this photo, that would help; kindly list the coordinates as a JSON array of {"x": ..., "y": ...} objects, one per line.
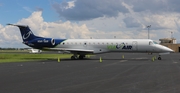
[
  {"x": 35, "y": 41},
  {"x": 26, "y": 33}
]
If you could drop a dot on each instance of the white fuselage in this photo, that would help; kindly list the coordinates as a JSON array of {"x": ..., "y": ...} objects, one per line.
[{"x": 114, "y": 45}]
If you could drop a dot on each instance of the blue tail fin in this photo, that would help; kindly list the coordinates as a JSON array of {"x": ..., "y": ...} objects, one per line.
[
  {"x": 37, "y": 42},
  {"x": 26, "y": 33}
]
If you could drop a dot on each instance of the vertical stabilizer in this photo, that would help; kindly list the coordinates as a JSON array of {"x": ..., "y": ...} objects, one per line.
[{"x": 26, "y": 33}]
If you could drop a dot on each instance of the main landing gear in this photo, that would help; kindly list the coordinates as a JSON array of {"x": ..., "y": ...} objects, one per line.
[{"x": 74, "y": 57}]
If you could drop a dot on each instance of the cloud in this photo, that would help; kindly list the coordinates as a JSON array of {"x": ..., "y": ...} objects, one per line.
[
  {"x": 154, "y": 6},
  {"x": 123, "y": 15},
  {"x": 144, "y": 5},
  {"x": 79, "y": 10},
  {"x": 86, "y": 10},
  {"x": 131, "y": 22},
  {"x": 65, "y": 29},
  {"x": 10, "y": 35}
]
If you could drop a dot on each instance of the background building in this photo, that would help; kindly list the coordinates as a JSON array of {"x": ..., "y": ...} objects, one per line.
[{"x": 171, "y": 43}]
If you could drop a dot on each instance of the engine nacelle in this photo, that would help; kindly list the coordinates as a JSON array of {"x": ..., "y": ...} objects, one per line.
[{"x": 42, "y": 42}]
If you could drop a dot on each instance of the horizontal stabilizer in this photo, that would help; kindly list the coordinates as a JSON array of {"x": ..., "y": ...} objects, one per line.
[{"x": 18, "y": 25}]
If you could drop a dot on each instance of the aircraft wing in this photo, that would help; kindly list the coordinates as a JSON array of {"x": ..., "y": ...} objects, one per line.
[{"x": 78, "y": 51}]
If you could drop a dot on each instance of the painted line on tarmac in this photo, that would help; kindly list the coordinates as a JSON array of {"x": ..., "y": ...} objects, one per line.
[
  {"x": 123, "y": 61},
  {"x": 140, "y": 58},
  {"x": 175, "y": 62}
]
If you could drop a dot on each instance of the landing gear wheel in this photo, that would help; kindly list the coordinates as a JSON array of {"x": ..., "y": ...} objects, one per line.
[
  {"x": 81, "y": 56},
  {"x": 159, "y": 58},
  {"x": 73, "y": 57}
]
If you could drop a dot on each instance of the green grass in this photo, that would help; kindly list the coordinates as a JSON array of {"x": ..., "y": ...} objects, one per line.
[
  {"x": 17, "y": 51},
  {"x": 18, "y": 57}
]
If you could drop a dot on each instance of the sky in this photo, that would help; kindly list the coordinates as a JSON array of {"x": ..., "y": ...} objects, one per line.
[{"x": 82, "y": 19}]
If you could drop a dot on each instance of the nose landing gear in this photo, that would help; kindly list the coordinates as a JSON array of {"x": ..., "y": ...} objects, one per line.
[
  {"x": 159, "y": 58},
  {"x": 74, "y": 57}
]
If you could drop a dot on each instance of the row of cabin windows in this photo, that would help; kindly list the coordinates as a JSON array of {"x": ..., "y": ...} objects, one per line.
[{"x": 68, "y": 43}]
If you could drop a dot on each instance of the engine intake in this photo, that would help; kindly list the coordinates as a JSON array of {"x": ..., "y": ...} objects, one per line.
[{"x": 52, "y": 41}]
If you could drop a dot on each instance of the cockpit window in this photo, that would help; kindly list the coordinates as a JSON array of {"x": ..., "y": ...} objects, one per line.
[
  {"x": 155, "y": 42},
  {"x": 152, "y": 42}
]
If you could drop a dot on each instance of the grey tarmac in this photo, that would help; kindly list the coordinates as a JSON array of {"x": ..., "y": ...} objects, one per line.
[{"x": 136, "y": 73}]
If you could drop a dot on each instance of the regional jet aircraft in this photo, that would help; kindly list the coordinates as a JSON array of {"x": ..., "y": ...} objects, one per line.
[{"x": 81, "y": 47}]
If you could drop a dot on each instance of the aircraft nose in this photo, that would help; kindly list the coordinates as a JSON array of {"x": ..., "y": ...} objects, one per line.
[
  {"x": 171, "y": 50},
  {"x": 168, "y": 49}
]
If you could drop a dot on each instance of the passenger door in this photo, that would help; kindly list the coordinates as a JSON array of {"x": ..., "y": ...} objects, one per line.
[{"x": 135, "y": 46}]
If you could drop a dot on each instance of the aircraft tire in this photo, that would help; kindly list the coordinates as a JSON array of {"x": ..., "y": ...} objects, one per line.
[
  {"x": 73, "y": 58},
  {"x": 81, "y": 56},
  {"x": 159, "y": 58}
]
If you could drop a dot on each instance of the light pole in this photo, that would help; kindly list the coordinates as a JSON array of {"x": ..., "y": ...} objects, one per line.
[
  {"x": 148, "y": 30},
  {"x": 171, "y": 34}
]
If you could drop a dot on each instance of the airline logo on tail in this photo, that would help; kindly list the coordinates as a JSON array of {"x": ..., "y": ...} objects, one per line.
[{"x": 26, "y": 35}]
